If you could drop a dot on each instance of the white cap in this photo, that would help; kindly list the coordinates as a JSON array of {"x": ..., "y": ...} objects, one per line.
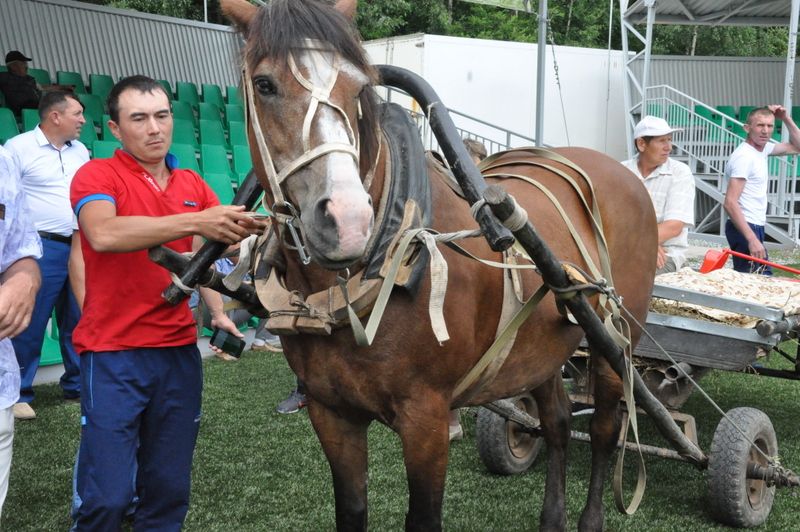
[{"x": 652, "y": 126}]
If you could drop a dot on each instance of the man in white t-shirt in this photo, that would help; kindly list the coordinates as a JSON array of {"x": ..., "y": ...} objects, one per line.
[
  {"x": 670, "y": 184},
  {"x": 747, "y": 174}
]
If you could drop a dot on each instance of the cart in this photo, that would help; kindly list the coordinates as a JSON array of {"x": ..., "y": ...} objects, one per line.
[{"x": 507, "y": 433}]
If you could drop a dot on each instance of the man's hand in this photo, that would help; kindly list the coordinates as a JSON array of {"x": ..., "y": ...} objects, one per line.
[
  {"x": 221, "y": 321},
  {"x": 757, "y": 248},
  {"x": 228, "y": 224},
  {"x": 661, "y": 258},
  {"x": 18, "y": 290},
  {"x": 779, "y": 111}
]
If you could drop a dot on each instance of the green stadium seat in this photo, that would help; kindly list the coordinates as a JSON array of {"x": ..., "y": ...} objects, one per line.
[
  {"x": 51, "y": 348},
  {"x": 796, "y": 113},
  {"x": 744, "y": 111},
  {"x": 88, "y": 135},
  {"x": 186, "y": 91},
  {"x": 187, "y": 158},
  {"x": 8, "y": 125},
  {"x": 41, "y": 76},
  {"x": 213, "y": 94},
  {"x": 214, "y": 159},
  {"x": 727, "y": 110},
  {"x": 655, "y": 109},
  {"x": 183, "y": 133},
  {"x": 2, "y": 100},
  {"x": 100, "y": 85},
  {"x": 64, "y": 77},
  {"x": 708, "y": 114},
  {"x": 209, "y": 111},
  {"x": 3, "y": 68},
  {"x": 237, "y": 134},
  {"x": 678, "y": 115},
  {"x": 242, "y": 162},
  {"x": 30, "y": 119},
  {"x": 736, "y": 129},
  {"x": 233, "y": 96},
  {"x": 233, "y": 113},
  {"x": 104, "y": 149},
  {"x": 106, "y": 131},
  {"x": 211, "y": 132},
  {"x": 92, "y": 108},
  {"x": 220, "y": 183},
  {"x": 183, "y": 111},
  {"x": 167, "y": 87}
]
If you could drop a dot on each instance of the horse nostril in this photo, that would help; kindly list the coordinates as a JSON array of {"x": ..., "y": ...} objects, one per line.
[{"x": 322, "y": 211}]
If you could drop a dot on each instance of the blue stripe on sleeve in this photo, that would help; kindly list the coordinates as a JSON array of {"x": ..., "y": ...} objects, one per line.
[{"x": 92, "y": 197}]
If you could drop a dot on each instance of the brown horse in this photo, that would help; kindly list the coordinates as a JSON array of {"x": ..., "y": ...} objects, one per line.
[{"x": 323, "y": 156}]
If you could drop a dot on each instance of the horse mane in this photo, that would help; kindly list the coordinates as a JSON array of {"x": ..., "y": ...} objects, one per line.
[{"x": 284, "y": 25}]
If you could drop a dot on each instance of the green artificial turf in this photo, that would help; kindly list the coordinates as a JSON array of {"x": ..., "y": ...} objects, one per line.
[{"x": 256, "y": 470}]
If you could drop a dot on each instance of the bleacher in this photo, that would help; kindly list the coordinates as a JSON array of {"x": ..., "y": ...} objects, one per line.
[
  {"x": 209, "y": 137},
  {"x": 209, "y": 134},
  {"x": 708, "y": 136}
]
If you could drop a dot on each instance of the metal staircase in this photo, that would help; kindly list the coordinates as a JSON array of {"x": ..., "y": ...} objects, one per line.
[{"x": 707, "y": 139}]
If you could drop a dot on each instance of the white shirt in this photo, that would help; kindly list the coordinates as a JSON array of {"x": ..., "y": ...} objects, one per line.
[
  {"x": 46, "y": 175},
  {"x": 752, "y": 165},
  {"x": 18, "y": 239},
  {"x": 671, "y": 188}
]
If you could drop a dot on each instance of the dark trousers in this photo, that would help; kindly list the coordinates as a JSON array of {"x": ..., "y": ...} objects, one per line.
[
  {"x": 55, "y": 293},
  {"x": 737, "y": 242},
  {"x": 140, "y": 409}
]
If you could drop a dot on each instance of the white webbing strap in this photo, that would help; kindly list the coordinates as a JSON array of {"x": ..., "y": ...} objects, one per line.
[{"x": 234, "y": 279}]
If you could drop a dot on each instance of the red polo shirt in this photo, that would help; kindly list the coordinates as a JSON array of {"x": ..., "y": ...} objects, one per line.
[{"x": 123, "y": 308}]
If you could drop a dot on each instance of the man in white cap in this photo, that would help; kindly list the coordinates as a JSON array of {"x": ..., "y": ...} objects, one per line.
[{"x": 671, "y": 187}]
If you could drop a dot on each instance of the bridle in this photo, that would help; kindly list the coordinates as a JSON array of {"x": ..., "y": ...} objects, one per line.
[{"x": 320, "y": 95}]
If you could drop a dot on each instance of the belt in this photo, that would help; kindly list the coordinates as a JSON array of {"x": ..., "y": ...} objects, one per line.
[{"x": 55, "y": 236}]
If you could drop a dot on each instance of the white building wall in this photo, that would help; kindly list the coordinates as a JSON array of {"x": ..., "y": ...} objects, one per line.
[{"x": 495, "y": 81}]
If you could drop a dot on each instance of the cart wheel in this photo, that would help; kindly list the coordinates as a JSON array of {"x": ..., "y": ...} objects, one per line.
[
  {"x": 735, "y": 499},
  {"x": 503, "y": 446}
]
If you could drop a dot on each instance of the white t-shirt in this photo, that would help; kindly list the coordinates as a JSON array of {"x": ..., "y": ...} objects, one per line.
[
  {"x": 671, "y": 188},
  {"x": 748, "y": 163}
]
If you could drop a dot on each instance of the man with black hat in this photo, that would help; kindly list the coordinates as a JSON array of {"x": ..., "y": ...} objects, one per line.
[{"x": 20, "y": 90}]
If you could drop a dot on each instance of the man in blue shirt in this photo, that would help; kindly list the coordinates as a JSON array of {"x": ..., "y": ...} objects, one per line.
[{"x": 19, "y": 282}]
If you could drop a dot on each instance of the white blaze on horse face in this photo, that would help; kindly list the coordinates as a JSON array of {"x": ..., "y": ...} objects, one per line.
[{"x": 349, "y": 205}]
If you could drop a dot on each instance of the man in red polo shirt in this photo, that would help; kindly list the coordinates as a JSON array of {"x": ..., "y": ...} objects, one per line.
[{"x": 140, "y": 366}]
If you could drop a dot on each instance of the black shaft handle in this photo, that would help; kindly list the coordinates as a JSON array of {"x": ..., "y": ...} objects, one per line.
[
  {"x": 464, "y": 169},
  {"x": 247, "y": 195}
]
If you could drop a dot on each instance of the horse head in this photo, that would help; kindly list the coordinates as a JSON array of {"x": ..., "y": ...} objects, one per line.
[{"x": 310, "y": 106}]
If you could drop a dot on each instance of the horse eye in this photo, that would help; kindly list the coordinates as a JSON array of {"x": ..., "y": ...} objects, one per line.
[{"x": 265, "y": 86}]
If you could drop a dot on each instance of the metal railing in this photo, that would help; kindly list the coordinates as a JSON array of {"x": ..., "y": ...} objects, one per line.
[
  {"x": 494, "y": 137},
  {"x": 707, "y": 139}
]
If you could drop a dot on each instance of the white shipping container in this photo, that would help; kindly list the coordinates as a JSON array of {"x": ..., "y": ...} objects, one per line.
[{"x": 495, "y": 81}]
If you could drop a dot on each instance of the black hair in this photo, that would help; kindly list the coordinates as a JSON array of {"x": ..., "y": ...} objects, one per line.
[
  {"x": 54, "y": 98},
  {"x": 139, "y": 83},
  {"x": 282, "y": 26}
]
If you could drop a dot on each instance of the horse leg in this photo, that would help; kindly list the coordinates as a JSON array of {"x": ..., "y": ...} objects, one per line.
[
  {"x": 604, "y": 430},
  {"x": 344, "y": 441},
  {"x": 423, "y": 430},
  {"x": 555, "y": 416}
]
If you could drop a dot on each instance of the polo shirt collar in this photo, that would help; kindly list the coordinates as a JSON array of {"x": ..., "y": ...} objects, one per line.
[
  {"x": 664, "y": 169},
  {"x": 131, "y": 163}
]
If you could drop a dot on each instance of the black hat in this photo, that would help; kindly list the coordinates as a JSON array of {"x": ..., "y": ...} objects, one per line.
[{"x": 16, "y": 55}]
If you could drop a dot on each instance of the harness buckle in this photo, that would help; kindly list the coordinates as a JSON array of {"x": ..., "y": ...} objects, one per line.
[{"x": 294, "y": 231}]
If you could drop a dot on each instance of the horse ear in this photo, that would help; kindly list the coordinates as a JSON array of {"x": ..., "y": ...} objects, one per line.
[
  {"x": 347, "y": 8},
  {"x": 240, "y": 12}
]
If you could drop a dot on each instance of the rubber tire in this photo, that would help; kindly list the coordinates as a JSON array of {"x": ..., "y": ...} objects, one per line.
[
  {"x": 503, "y": 448},
  {"x": 735, "y": 500}
]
